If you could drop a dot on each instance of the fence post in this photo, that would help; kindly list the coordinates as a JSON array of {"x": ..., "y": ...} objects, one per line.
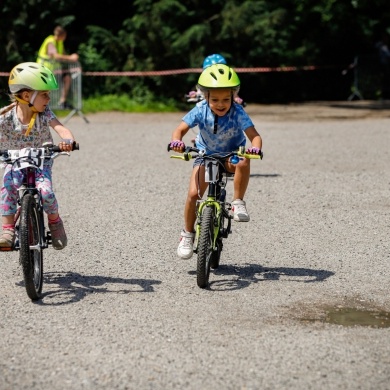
[{"x": 74, "y": 99}]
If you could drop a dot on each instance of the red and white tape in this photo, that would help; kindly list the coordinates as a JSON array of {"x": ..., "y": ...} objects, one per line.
[{"x": 199, "y": 70}]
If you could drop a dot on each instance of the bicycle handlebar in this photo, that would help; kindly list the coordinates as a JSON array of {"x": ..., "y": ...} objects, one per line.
[
  {"x": 49, "y": 148},
  {"x": 223, "y": 155},
  {"x": 50, "y": 151}
]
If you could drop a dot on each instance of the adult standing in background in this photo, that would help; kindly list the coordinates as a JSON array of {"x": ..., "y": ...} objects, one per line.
[
  {"x": 53, "y": 50},
  {"x": 384, "y": 60}
]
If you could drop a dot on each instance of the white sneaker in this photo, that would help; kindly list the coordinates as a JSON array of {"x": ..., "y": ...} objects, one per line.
[
  {"x": 240, "y": 214},
  {"x": 185, "y": 248}
]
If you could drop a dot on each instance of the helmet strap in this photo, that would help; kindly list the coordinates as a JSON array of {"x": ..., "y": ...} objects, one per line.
[
  {"x": 34, "y": 95},
  {"x": 34, "y": 110},
  {"x": 215, "y": 123},
  {"x": 31, "y": 124}
]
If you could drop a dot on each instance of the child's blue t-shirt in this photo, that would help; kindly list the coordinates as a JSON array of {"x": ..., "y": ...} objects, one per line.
[{"x": 230, "y": 130}]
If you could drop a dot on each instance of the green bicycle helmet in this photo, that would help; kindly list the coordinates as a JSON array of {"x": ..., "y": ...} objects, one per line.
[
  {"x": 31, "y": 75},
  {"x": 218, "y": 76}
]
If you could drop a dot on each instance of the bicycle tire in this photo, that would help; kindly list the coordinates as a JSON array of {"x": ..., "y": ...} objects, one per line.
[
  {"x": 31, "y": 253},
  {"x": 205, "y": 247}
]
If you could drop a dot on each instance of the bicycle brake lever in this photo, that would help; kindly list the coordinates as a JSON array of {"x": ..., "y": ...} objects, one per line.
[{"x": 57, "y": 154}]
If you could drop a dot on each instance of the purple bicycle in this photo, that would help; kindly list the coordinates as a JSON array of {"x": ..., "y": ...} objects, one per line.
[{"x": 32, "y": 237}]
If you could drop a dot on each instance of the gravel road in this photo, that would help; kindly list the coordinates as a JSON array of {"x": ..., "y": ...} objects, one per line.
[{"x": 121, "y": 311}]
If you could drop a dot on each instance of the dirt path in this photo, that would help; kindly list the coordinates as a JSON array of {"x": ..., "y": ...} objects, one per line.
[
  {"x": 120, "y": 311},
  {"x": 317, "y": 111}
]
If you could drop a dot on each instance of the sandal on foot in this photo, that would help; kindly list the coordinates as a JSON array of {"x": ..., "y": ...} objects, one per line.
[
  {"x": 58, "y": 235},
  {"x": 7, "y": 238}
]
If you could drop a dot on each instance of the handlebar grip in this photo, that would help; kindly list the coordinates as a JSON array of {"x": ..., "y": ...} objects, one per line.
[
  {"x": 251, "y": 156},
  {"x": 75, "y": 146}
]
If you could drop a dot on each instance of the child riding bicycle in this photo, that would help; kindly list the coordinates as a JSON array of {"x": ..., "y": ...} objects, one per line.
[
  {"x": 26, "y": 123},
  {"x": 197, "y": 95},
  {"x": 223, "y": 127}
]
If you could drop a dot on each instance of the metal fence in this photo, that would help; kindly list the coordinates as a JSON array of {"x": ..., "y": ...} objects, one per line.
[{"x": 74, "y": 99}]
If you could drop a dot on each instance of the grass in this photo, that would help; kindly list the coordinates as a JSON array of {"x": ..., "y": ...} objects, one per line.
[{"x": 123, "y": 103}]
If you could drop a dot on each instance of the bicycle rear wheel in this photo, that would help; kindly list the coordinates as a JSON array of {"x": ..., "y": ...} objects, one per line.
[
  {"x": 31, "y": 253},
  {"x": 205, "y": 246}
]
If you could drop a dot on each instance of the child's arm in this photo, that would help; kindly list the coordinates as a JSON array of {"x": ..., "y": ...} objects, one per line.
[
  {"x": 254, "y": 137},
  {"x": 64, "y": 133},
  {"x": 180, "y": 131},
  {"x": 176, "y": 140}
]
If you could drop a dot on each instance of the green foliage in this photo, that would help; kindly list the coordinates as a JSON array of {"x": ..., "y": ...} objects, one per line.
[
  {"x": 123, "y": 103},
  {"x": 146, "y": 35},
  {"x": 24, "y": 25}
]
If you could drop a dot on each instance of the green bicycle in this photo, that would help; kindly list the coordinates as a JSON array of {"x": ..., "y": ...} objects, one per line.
[{"x": 213, "y": 213}]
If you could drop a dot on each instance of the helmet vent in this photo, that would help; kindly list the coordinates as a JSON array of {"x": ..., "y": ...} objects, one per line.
[{"x": 44, "y": 77}]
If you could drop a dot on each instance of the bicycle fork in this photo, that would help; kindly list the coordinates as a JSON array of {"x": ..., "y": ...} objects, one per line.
[{"x": 44, "y": 237}]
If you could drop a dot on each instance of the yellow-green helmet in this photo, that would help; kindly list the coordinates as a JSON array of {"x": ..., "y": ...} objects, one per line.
[
  {"x": 31, "y": 75},
  {"x": 218, "y": 76}
]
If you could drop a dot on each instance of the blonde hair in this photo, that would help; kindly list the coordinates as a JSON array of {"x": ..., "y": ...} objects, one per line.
[
  {"x": 5, "y": 109},
  {"x": 13, "y": 97}
]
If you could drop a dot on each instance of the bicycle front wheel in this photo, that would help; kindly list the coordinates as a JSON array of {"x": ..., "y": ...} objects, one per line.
[
  {"x": 205, "y": 246},
  {"x": 31, "y": 253}
]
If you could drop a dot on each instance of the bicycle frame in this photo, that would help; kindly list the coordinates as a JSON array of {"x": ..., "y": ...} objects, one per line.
[
  {"x": 28, "y": 187},
  {"x": 214, "y": 175}
]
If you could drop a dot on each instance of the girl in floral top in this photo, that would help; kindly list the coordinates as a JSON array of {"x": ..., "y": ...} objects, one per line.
[{"x": 26, "y": 123}]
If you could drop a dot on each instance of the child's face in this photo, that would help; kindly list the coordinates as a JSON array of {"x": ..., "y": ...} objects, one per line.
[
  {"x": 220, "y": 100},
  {"x": 42, "y": 100}
]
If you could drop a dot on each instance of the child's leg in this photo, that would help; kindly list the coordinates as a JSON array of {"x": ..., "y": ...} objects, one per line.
[
  {"x": 241, "y": 179},
  {"x": 196, "y": 190},
  {"x": 50, "y": 205},
  {"x": 11, "y": 182},
  {"x": 45, "y": 185}
]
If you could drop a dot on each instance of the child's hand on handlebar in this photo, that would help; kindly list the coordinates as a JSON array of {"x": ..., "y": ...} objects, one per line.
[
  {"x": 177, "y": 146},
  {"x": 66, "y": 145},
  {"x": 253, "y": 150}
]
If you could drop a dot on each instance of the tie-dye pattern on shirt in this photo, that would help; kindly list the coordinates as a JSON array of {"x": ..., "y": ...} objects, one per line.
[{"x": 230, "y": 131}]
